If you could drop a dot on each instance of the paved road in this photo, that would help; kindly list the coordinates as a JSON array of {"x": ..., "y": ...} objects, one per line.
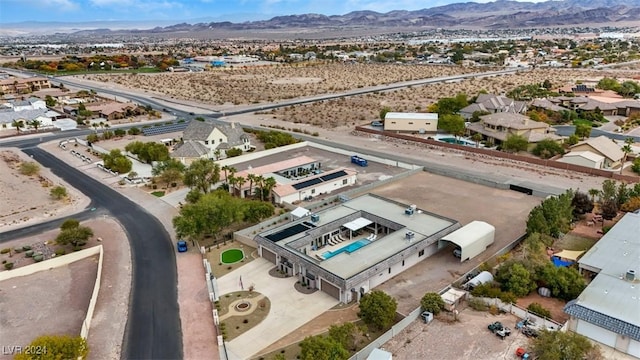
[
  {"x": 568, "y": 130},
  {"x": 153, "y": 329}
]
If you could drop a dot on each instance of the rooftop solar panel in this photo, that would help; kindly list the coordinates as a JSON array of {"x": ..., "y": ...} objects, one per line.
[
  {"x": 334, "y": 175},
  {"x": 285, "y": 233},
  {"x": 307, "y": 183}
]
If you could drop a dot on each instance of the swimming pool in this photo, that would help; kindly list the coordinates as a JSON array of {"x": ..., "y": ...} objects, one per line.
[
  {"x": 458, "y": 141},
  {"x": 348, "y": 249}
]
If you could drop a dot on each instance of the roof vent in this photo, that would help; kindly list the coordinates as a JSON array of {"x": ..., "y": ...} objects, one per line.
[{"x": 631, "y": 275}]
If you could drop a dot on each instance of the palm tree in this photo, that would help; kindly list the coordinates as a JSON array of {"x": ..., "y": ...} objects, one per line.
[
  {"x": 241, "y": 181},
  {"x": 225, "y": 168},
  {"x": 232, "y": 182},
  {"x": 35, "y": 124},
  {"x": 477, "y": 137},
  {"x": 260, "y": 184},
  {"x": 626, "y": 149},
  {"x": 594, "y": 193},
  {"x": 17, "y": 124},
  {"x": 251, "y": 178},
  {"x": 269, "y": 184}
]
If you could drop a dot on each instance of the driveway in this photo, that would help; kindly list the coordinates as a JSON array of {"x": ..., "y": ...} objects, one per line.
[{"x": 289, "y": 308}]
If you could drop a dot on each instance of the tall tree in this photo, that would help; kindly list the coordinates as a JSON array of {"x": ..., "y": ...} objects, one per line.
[
  {"x": 251, "y": 178},
  {"x": 240, "y": 181},
  {"x": 626, "y": 149},
  {"x": 202, "y": 174},
  {"x": 269, "y": 184},
  {"x": 378, "y": 309},
  {"x": 260, "y": 186},
  {"x": 35, "y": 124},
  {"x": 322, "y": 348},
  {"x": 515, "y": 143},
  {"x": 18, "y": 124},
  {"x": 564, "y": 345}
]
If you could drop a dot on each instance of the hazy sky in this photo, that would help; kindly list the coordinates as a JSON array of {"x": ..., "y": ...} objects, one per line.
[{"x": 178, "y": 10}]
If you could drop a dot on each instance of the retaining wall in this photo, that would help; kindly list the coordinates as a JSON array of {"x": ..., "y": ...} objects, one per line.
[
  {"x": 505, "y": 155},
  {"x": 62, "y": 261}
]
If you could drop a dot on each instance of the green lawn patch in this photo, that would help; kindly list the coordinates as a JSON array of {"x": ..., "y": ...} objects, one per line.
[
  {"x": 158, "y": 193},
  {"x": 232, "y": 256},
  {"x": 574, "y": 242}
]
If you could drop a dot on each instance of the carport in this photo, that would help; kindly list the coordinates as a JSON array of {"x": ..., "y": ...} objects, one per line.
[
  {"x": 356, "y": 225},
  {"x": 472, "y": 239}
]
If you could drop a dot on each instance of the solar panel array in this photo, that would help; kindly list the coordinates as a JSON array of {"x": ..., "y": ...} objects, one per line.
[
  {"x": 164, "y": 129},
  {"x": 319, "y": 180},
  {"x": 582, "y": 88},
  {"x": 285, "y": 233}
]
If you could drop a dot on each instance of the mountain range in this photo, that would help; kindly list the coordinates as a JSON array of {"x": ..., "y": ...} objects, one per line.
[{"x": 500, "y": 14}]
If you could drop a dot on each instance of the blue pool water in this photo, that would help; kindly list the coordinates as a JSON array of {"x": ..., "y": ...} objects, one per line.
[{"x": 348, "y": 249}]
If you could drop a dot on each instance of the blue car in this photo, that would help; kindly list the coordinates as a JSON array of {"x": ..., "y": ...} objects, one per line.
[{"x": 182, "y": 246}]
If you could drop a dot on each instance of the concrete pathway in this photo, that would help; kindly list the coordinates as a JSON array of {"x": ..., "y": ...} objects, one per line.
[{"x": 289, "y": 308}]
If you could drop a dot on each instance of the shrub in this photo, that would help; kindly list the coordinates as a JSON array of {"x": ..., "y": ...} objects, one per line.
[
  {"x": 8, "y": 266},
  {"x": 17, "y": 250},
  {"x": 58, "y": 192},
  {"x": 29, "y": 253},
  {"x": 5, "y": 250},
  {"x": 134, "y": 131},
  {"x": 38, "y": 258},
  {"x": 477, "y": 304},
  {"x": 29, "y": 168},
  {"x": 26, "y": 247},
  {"x": 547, "y": 148},
  {"x": 432, "y": 302},
  {"x": 636, "y": 165},
  {"x": 60, "y": 252},
  {"x": 539, "y": 310}
]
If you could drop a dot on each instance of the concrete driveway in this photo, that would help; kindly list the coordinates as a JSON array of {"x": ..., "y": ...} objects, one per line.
[{"x": 289, "y": 308}]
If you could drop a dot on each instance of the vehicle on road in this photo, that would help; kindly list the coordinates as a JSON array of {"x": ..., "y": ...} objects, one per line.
[{"x": 182, "y": 246}]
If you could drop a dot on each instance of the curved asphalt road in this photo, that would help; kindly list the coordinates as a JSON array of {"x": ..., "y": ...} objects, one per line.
[{"x": 153, "y": 328}]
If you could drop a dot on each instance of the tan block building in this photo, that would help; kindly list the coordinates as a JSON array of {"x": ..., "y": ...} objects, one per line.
[{"x": 411, "y": 122}]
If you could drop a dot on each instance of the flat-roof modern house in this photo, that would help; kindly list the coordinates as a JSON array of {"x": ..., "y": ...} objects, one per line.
[
  {"x": 297, "y": 179},
  {"x": 411, "y": 122},
  {"x": 608, "y": 310},
  {"x": 350, "y": 248}
]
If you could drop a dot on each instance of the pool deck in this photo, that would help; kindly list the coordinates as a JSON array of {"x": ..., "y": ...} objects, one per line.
[
  {"x": 349, "y": 248},
  {"x": 333, "y": 248}
]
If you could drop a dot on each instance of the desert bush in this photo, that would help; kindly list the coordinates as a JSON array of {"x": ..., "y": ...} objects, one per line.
[
  {"x": 26, "y": 247},
  {"x": 29, "y": 168},
  {"x": 60, "y": 252},
  {"x": 38, "y": 258},
  {"x": 8, "y": 266},
  {"x": 5, "y": 250},
  {"x": 478, "y": 305},
  {"x": 17, "y": 250},
  {"x": 539, "y": 310},
  {"x": 29, "y": 253}
]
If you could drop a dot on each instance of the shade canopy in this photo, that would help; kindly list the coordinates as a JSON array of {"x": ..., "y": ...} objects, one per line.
[
  {"x": 569, "y": 254},
  {"x": 300, "y": 212},
  {"x": 357, "y": 224}
]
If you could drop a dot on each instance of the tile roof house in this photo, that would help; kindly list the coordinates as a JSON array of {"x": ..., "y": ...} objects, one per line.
[
  {"x": 603, "y": 146},
  {"x": 46, "y": 117},
  {"x": 607, "y": 310},
  {"x": 216, "y": 137},
  {"x": 497, "y": 127},
  {"x": 493, "y": 104}
]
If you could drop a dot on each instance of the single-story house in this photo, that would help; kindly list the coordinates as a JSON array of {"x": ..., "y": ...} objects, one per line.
[
  {"x": 411, "y": 122},
  {"x": 584, "y": 158},
  {"x": 602, "y": 146},
  {"x": 496, "y": 128}
]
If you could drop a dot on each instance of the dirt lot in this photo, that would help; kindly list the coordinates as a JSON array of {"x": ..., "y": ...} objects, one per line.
[
  {"x": 32, "y": 306},
  {"x": 462, "y": 201},
  {"x": 26, "y": 199},
  {"x": 464, "y": 339}
]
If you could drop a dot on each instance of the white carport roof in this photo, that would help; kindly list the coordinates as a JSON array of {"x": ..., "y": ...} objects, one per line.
[
  {"x": 357, "y": 224},
  {"x": 300, "y": 212},
  {"x": 472, "y": 238}
]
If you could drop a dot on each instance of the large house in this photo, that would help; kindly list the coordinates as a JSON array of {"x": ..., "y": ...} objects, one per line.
[
  {"x": 208, "y": 139},
  {"x": 14, "y": 85},
  {"x": 489, "y": 103},
  {"x": 45, "y": 117},
  {"x": 496, "y": 128},
  {"x": 608, "y": 310},
  {"x": 349, "y": 249},
  {"x": 602, "y": 146}
]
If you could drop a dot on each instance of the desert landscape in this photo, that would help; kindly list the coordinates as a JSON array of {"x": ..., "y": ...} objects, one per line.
[
  {"x": 26, "y": 198},
  {"x": 250, "y": 85},
  {"x": 256, "y": 84}
]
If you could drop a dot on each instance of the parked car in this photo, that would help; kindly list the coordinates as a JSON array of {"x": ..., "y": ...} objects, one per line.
[
  {"x": 457, "y": 253},
  {"x": 376, "y": 123},
  {"x": 182, "y": 246}
]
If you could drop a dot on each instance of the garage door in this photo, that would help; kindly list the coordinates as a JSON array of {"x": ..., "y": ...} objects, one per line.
[
  {"x": 330, "y": 289},
  {"x": 269, "y": 255},
  {"x": 596, "y": 333}
]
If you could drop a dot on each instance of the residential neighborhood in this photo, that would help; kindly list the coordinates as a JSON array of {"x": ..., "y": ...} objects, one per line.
[{"x": 271, "y": 189}]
